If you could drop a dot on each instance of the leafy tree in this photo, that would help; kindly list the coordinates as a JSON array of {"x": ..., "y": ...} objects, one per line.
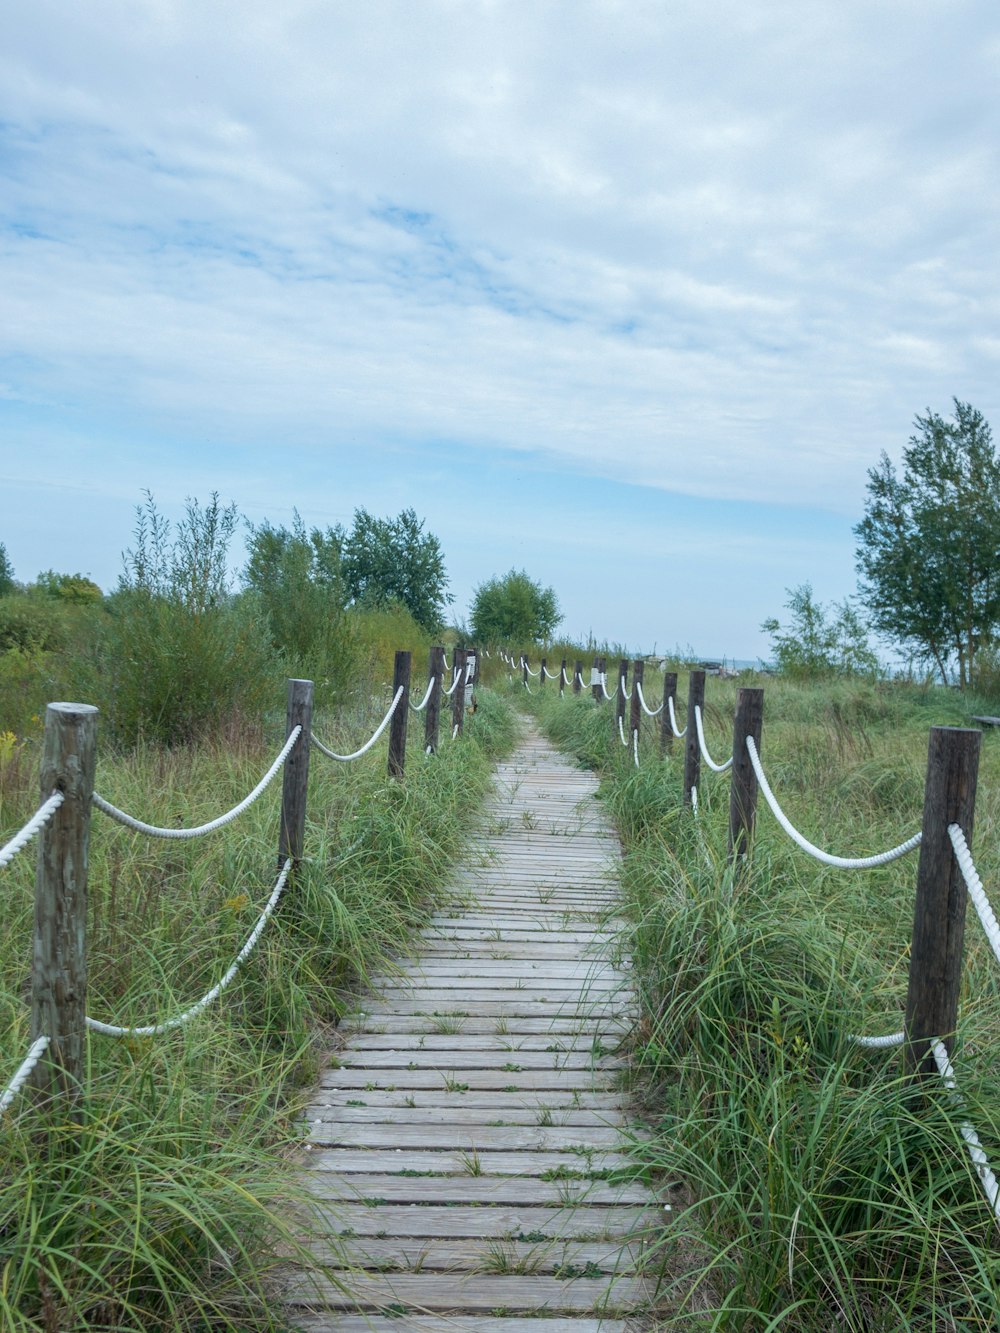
[
  {"x": 6, "y": 573},
  {"x": 386, "y": 560},
  {"x": 929, "y": 543},
  {"x": 296, "y": 575},
  {"x": 513, "y": 609},
  {"x": 815, "y": 645},
  {"x": 73, "y": 588}
]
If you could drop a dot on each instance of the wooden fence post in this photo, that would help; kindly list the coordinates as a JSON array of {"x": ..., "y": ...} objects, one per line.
[
  {"x": 596, "y": 689},
  {"x": 743, "y": 780},
  {"x": 692, "y": 752},
  {"x": 524, "y": 669},
  {"x": 59, "y": 965},
  {"x": 436, "y": 672},
  {"x": 458, "y": 698},
  {"x": 563, "y": 678},
  {"x": 397, "y": 727},
  {"x": 541, "y": 673},
  {"x": 476, "y": 656},
  {"x": 666, "y": 730},
  {"x": 578, "y": 679},
  {"x": 939, "y": 911},
  {"x": 295, "y": 778},
  {"x": 620, "y": 696},
  {"x": 635, "y": 712}
]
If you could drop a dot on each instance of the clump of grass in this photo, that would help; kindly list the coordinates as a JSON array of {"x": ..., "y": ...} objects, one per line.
[
  {"x": 166, "y": 1204},
  {"x": 824, "y": 1192}
]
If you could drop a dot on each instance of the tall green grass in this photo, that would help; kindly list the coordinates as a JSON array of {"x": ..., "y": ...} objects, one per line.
[
  {"x": 169, "y": 1203},
  {"x": 814, "y": 1189}
]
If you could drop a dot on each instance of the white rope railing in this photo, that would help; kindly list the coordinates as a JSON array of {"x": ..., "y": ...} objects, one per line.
[
  {"x": 979, "y": 1160},
  {"x": 844, "y": 862},
  {"x": 527, "y": 668},
  {"x": 344, "y": 758},
  {"x": 673, "y": 720},
  {"x": 35, "y": 1052},
  {"x": 975, "y": 886},
  {"x": 604, "y": 686},
  {"x": 155, "y": 1029},
  {"x": 456, "y": 676},
  {"x": 418, "y": 708},
  {"x": 454, "y": 731},
  {"x": 549, "y": 675},
  {"x": 37, "y": 821},
  {"x": 650, "y": 712},
  {"x": 444, "y": 659},
  {"x": 621, "y": 730},
  {"x": 152, "y": 831},
  {"x": 717, "y": 768},
  {"x": 527, "y": 687},
  {"x": 879, "y": 1043},
  {"x": 627, "y": 694},
  {"x": 635, "y": 745}
]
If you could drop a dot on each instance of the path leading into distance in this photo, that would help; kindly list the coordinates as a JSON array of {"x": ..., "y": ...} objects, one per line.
[{"x": 467, "y": 1153}]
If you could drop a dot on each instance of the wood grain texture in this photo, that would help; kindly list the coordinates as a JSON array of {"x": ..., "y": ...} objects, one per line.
[{"x": 467, "y": 1150}]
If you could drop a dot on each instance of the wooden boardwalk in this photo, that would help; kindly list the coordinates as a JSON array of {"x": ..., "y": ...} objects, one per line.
[{"x": 467, "y": 1153}]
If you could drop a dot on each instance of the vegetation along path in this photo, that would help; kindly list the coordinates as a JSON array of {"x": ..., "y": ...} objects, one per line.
[{"x": 468, "y": 1151}]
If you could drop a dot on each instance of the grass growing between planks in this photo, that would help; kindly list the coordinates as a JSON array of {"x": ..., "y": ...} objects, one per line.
[
  {"x": 165, "y": 1203},
  {"x": 814, "y": 1191}
]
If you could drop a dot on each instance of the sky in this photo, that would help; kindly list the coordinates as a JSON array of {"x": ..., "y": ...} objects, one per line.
[{"x": 627, "y": 294}]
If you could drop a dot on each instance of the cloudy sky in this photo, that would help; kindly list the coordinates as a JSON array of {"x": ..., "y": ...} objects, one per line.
[{"x": 629, "y": 294}]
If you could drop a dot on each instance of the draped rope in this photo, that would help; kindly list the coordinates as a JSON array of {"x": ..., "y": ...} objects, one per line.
[
  {"x": 979, "y": 1160},
  {"x": 673, "y": 719},
  {"x": 35, "y": 1052},
  {"x": 152, "y": 831},
  {"x": 456, "y": 677},
  {"x": 418, "y": 708},
  {"x": 844, "y": 862},
  {"x": 156, "y": 1029},
  {"x": 344, "y": 758},
  {"x": 621, "y": 731},
  {"x": 650, "y": 712},
  {"x": 37, "y": 821},
  {"x": 718, "y": 768},
  {"x": 975, "y": 886}
]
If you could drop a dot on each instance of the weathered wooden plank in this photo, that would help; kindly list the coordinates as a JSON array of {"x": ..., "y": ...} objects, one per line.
[
  {"x": 491, "y": 1139},
  {"x": 473, "y": 1162},
  {"x": 460, "y": 1291},
  {"x": 490, "y": 1041},
  {"x": 479, "y": 1255},
  {"x": 498, "y": 1102},
  {"x": 455, "y": 1323},
  {"x": 379, "y": 1189},
  {"x": 360, "y": 1057},
  {"x": 501, "y": 1222},
  {"x": 488, "y": 1118},
  {"x": 462, "y": 1080}
]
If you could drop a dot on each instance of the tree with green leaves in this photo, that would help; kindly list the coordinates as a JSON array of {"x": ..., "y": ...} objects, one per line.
[
  {"x": 513, "y": 609},
  {"x": 387, "y": 560},
  {"x": 819, "y": 641},
  {"x": 7, "y": 584},
  {"x": 929, "y": 543},
  {"x": 296, "y": 576}
]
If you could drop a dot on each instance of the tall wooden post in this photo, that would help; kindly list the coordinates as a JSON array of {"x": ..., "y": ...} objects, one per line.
[
  {"x": 743, "y": 780},
  {"x": 295, "y": 778},
  {"x": 524, "y": 668},
  {"x": 578, "y": 679},
  {"x": 397, "y": 727},
  {"x": 666, "y": 730},
  {"x": 939, "y": 911},
  {"x": 476, "y": 656},
  {"x": 541, "y": 674},
  {"x": 620, "y": 684},
  {"x": 458, "y": 698},
  {"x": 596, "y": 689},
  {"x": 692, "y": 753},
  {"x": 635, "y": 712},
  {"x": 563, "y": 678},
  {"x": 431, "y": 717},
  {"x": 59, "y": 964}
]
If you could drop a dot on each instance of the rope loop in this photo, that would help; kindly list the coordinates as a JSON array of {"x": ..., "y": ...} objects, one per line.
[
  {"x": 843, "y": 862},
  {"x": 418, "y": 708},
  {"x": 152, "y": 831},
  {"x": 717, "y": 768},
  {"x": 650, "y": 712},
  {"x": 344, "y": 758},
  {"x": 456, "y": 676},
  {"x": 673, "y": 720},
  {"x": 621, "y": 732},
  {"x": 156, "y": 1029}
]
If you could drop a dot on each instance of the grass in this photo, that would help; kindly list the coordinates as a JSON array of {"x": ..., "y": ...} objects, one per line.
[
  {"x": 818, "y": 1191},
  {"x": 168, "y": 1203}
]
